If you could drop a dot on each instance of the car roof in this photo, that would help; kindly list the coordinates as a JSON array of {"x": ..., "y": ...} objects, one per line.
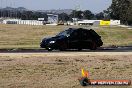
[{"x": 78, "y": 29}]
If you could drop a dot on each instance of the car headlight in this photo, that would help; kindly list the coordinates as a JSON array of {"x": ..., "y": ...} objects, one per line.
[
  {"x": 52, "y": 42},
  {"x": 41, "y": 40}
]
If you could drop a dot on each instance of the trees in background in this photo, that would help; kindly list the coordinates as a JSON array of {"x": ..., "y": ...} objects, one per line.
[
  {"x": 87, "y": 14},
  {"x": 63, "y": 17},
  {"x": 76, "y": 14},
  {"x": 99, "y": 16},
  {"x": 24, "y": 15},
  {"x": 34, "y": 15},
  {"x": 121, "y": 10}
]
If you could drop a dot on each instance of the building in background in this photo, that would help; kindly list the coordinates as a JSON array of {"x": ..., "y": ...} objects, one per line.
[
  {"x": 98, "y": 22},
  {"x": 25, "y": 22},
  {"x": 52, "y": 19}
]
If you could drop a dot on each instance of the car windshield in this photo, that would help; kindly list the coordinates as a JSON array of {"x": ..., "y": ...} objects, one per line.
[{"x": 64, "y": 33}]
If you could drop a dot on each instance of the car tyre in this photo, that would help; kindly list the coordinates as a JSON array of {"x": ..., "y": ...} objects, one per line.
[
  {"x": 79, "y": 49},
  {"x": 93, "y": 46},
  {"x": 61, "y": 49}
]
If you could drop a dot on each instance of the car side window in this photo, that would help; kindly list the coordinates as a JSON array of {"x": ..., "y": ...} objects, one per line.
[
  {"x": 85, "y": 35},
  {"x": 75, "y": 35}
]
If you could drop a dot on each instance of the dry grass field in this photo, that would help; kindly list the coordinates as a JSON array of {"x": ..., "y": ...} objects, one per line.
[
  {"x": 62, "y": 70},
  {"x": 26, "y": 36}
]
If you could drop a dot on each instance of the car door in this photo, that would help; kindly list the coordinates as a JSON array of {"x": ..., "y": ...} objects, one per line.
[{"x": 74, "y": 39}]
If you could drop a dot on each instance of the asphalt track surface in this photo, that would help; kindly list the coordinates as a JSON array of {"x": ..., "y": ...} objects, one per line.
[{"x": 101, "y": 49}]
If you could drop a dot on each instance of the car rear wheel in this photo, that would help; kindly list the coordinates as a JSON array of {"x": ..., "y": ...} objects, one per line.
[
  {"x": 79, "y": 49},
  {"x": 93, "y": 46}
]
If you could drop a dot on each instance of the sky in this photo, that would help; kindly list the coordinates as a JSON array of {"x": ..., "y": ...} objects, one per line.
[{"x": 93, "y": 5}]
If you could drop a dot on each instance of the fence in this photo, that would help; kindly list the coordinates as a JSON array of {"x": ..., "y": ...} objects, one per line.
[{"x": 26, "y": 22}]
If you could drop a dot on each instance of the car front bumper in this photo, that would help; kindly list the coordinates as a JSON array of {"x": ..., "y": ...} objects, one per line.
[{"x": 51, "y": 45}]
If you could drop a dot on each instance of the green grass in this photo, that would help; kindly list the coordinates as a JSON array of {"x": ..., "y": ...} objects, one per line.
[{"x": 26, "y": 36}]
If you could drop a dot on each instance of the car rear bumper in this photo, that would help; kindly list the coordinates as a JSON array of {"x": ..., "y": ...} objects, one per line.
[{"x": 99, "y": 43}]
